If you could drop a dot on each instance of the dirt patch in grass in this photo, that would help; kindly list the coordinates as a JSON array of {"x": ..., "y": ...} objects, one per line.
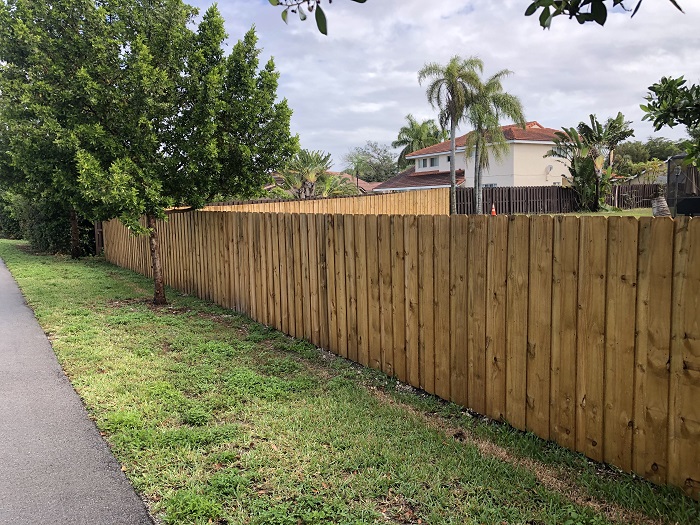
[
  {"x": 395, "y": 508},
  {"x": 548, "y": 476}
]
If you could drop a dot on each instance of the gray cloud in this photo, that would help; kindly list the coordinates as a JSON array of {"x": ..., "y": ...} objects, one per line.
[{"x": 360, "y": 81}]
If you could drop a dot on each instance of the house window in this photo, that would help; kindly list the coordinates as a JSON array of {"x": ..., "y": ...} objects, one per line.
[
  {"x": 556, "y": 183},
  {"x": 490, "y": 185},
  {"x": 433, "y": 162},
  {"x": 424, "y": 163},
  {"x": 449, "y": 158}
]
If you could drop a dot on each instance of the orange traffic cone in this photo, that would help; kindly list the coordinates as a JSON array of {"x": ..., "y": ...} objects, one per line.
[{"x": 493, "y": 210}]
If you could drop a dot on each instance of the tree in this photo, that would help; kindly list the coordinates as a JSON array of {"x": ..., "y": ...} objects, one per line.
[
  {"x": 603, "y": 139},
  {"x": 489, "y": 103},
  {"x": 582, "y": 10},
  {"x": 332, "y": 185},
  {"x": 570, "y": 146},
  {"x": 414, "y": 136},
  {"x": 669, "y": 103},
  {"x": 662, "y": 148},
  {"x": 161, "y": 119},
  {"x": 43, "y": 48},
  {"x": 634, "y": 151},
  {"x": 372, "y": 162},
  {"x": 590, "y": 150},
  {"x": 304, "y": 171},
  {"x": 451, "y": 90}
]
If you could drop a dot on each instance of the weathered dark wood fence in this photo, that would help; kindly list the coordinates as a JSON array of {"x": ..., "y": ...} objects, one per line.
[{"x": 550, "y": 199}]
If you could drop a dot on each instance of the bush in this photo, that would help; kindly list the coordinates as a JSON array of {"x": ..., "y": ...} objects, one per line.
[
  {"x": 45, "y": 223},
  {"x": 9, "y": 225}
]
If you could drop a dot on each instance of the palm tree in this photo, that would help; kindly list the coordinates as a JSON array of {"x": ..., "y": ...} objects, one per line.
[
  {"x": 302, "y": 173},
  {"x": 602, "y": 141},
  {"x": 331, "y": 185},
  {"x": 589, "y": 151},
  {"x": 489, "y": 103},
  {"x": 415, "y": 136},
  {"x": 451, "y": 90}
]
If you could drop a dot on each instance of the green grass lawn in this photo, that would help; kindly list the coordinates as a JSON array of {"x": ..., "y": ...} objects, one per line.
[
  {"x": 218, "y": 419},
  {"x": 634, "y": 212}
]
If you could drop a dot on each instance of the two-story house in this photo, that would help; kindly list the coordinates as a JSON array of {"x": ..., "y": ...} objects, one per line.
[{"x": 523, "y": 165}]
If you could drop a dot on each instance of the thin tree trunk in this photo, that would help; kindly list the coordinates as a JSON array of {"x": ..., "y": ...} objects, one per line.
[
  {"x": 154, "y": 245},
  {"x": 477, "y": 182},
  {"x": 74, "y": 235},
  {"x": 453, "y": 175}
]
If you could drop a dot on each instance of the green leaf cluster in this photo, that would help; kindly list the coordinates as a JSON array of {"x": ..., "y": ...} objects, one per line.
[
  {"x": 311, "y": 6},
  {"x": 582, "y": 10},
  {"x": 671, "y": 102}
]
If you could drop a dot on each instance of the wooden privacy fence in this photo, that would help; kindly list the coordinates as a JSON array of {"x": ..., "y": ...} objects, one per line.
[
  {"x": 520, "y": 199},
  {"x": 627, "y": 196},
  {"x": 422, "y": 202},
  {"x": 551, "y": 199},
  {"x": 583, "y": 330}
]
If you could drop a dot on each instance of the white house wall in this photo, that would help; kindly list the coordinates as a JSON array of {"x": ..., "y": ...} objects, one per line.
[
  {"x": 523, "y": 165},
  {"x": 500, "y": 172},
  {"x": 443, "y": 163}
]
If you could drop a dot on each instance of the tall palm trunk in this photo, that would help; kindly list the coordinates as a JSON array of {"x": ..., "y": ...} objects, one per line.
[
  {"x": 453, "y": 175},
  {"x": 477, "y": 183},
  {"x": 154, "y": 245}
]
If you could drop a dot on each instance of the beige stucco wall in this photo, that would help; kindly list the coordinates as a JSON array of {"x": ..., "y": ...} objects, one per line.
[{"x": 531, "y": 168}]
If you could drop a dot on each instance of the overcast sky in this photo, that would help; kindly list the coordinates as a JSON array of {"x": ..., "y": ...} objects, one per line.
[{"x": 359, "y": 82}]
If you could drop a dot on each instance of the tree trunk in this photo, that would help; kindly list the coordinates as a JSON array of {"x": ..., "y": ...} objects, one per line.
[
  {"x": 154, "y": 245},
  {"x": 453, "y": 175},
  {"x": 478, "y": 204},
  {"x": 74, "y": 235}
]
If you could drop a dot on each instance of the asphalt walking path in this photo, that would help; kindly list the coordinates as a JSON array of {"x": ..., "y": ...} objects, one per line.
[{"x": 54, "y": 466}]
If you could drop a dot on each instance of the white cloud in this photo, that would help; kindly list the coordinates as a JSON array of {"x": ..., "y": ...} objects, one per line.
[{"x": 360, "y": 81}]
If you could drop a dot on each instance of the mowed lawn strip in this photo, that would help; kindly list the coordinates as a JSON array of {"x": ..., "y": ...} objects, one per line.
[{"x": 218, "y": 419}]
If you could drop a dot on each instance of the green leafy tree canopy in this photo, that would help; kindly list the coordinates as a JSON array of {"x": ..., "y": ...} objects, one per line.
[
  {"x": 372, "y": 162},
  {"x": 671, "y": 102}
]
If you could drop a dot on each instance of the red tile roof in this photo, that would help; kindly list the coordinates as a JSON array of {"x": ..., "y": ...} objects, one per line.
[
  {"x": 533, "y": 131},
  {"x": 365, "y": 187},
  {"x": 410, "y": 179}
]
